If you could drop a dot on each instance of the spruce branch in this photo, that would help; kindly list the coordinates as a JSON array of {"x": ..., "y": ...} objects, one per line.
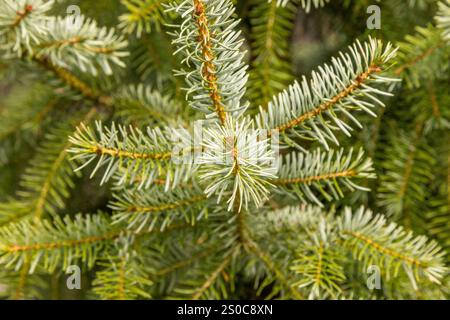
[
  {"x": 216, "y": 77},
  {"x": 373, "y": 241},
  {"x": 145, "y": 105},
  {"x": 131, "y": 153},
  {"x": 211, "y": 278},
  {"x": 74, "y": 82},
  {"x": 443, "y": 19},
  {"x": 238, "y": 162},
  {"x": 311, "y": 110},
  {"x": 403, "y": 187},
  {"x": 79, "y": 42},
  {"x": 275, "y": 270},
  {"x": 305, "y": 4},
  {"x": 319, "y": 265},
  {"x": 58, "y": 243},
  {"x": 142, "y": 15},
  {"x": 155, "y": 208},
  {"x": 23, "y": 24},
  {"x": 320, "y": 174},
  {"x": 60, "y": 44},
  {"x": 270, "y": 69},
  {"x": 421, "y": 56},
  {"x": 47, "y": 182},
  {"x": 65, "y": 41},
  {"x": 21, "y": 285},
  {"x": 55, "y": 244},
  {"x": 171, "y": 262},
  {"x": 369, "y": 238},
  {"x": 36, "y": 179},
  {"x": 122, "y": 277}
]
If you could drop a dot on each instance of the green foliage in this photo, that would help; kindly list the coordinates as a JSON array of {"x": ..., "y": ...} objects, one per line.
[
  {"x": 270, "y": 69},
  {"x": 67, "y": 42},
  {"x": 141, "y": 15},
  {"x": 79, "y": 42},
  {"x": 12, "y": 210},
  {"x": 403, "y": 186},
  {"x": 370, "y": 239},
  {"x": 224, "y": 200},
  {"x": 48, "y": 181},
  {"x": 150, "y": 208},
  {"x": 306, "y": 4},
  {"x": 216, "y": 77},
  {"x": 322, "y": 173},
  {"x": 422, "y": 56},
  {"x": 376, "y": 242},
  {"x": 236, "y": 158},
  {"x": 442, "y": 19},
  {"x": 26, "y": 113},
  {"x": 21, "y": 285},
  {"x": 121, "y": 278},
  {"x": 320, "y": 266},
  {"x": 131, "y": 154},
  {"x": 23, "y": 24},
  {"x": 311, "y": 110},
  {"x": 58, "y": 243},
  {"x": 144, "y": 106}
]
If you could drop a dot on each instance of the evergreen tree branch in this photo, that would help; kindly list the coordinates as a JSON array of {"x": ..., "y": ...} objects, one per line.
[
  {"x": 186, "y": 262},
  {"x": 48, "y": 180},
  {"x": 403, "y": 186},
  {"x": 310, "y": 110},
  {"x": 270, "y": 67},
  {"x": 319, "y": 266},
  {"x": 146, "y": 106},
  {"x": 59, "y": 242},
  {"x": 265, "y": 258},
  {"x": 206, "y": 37},
  {"x": 77, "y": 42},
  {"x": 142, "y": 15},
  {"x": 374, "y": 241},
  {"x": 422, "y": 56},
  {"x": 303, "y": 173},
  {"x": 415, "y": 60},
  {"x": 132, "y": 152},
  {"x": 20, "y": 285},
  {"x": 211, "y": 279},
  {"x": 65, "y": 42},
  {"x": 334, "y": 100},
  {"x": 122, "y": 278},
  {"x": 22, "y": 24},
  {"x": 238, "y": 162},
  {"x": 443, "y": 19},
  {"x": 74, "y": 82},
  {"x": 154, "y": 208}
]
